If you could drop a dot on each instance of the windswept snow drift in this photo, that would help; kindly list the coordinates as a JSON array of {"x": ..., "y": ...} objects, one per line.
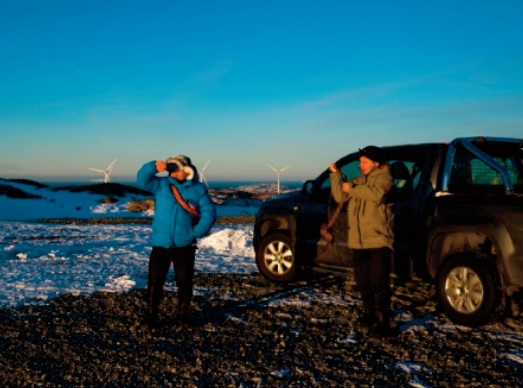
[{"x": 39, "y": 261}]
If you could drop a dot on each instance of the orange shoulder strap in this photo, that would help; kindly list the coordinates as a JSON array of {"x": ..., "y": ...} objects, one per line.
[{"x": 188, "y": 208}]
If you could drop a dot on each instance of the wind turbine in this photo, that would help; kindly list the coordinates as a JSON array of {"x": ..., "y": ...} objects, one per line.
[
  {"x": 106, "y": 172},
  {"x": 202, "y": 176},
  {"x": 278, "y": 173}
]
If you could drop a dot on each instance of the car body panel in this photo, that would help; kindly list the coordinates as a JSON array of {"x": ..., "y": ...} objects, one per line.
[{"x": 439, "y": 209}]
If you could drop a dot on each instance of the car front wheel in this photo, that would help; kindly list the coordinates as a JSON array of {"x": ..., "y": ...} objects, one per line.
[
  {"x": 275, "y": 258},
  {"x": 466, "y": 290}
]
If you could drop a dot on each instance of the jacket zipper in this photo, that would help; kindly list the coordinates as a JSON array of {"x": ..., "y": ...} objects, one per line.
[{"x": 357, "y": 214}]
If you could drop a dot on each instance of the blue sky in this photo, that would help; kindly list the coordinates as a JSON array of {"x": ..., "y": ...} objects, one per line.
[{"x": 248, "y": 83}]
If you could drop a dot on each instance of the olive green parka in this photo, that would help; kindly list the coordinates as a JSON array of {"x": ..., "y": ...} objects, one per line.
[{"x": 370, "y": 213}]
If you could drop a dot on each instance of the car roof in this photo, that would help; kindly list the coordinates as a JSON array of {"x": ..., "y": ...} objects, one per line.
[{"x": 404, "y": 148}]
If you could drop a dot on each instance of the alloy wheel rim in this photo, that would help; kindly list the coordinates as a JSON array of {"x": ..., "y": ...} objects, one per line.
[
  {"x": 278, "y": 257},
  {"x": 464, "y": 290}
]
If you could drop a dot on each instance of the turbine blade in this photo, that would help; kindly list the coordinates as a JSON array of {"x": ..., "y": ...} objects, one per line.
[
  {"x": 272, "y": 168},
  {"x": 110, "y": 166},
  {"x": 206, "y": 164}
]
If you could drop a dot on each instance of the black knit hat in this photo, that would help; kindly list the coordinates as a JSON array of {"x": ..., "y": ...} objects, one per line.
[{"x": 373, "y": 153}]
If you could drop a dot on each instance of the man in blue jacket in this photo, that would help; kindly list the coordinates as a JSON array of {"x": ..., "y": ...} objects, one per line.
[{"x": 183, "y": 212}]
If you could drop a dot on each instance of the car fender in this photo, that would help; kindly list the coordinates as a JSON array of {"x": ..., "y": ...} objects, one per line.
[
  {"x": 269, "y": 223},
  {"x": 484, "y": 237}
]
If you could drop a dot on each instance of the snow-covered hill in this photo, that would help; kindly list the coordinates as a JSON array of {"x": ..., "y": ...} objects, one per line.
[{"x": 39, "y": 260}]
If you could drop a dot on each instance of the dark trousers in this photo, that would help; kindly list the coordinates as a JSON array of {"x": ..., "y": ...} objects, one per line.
[
  {"x": 372, "y": 273},
  {"x": 160, "y": 260}
]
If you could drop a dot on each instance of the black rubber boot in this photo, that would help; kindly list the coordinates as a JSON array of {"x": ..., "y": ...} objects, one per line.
[
  {"x": 368, "y": 317},
  {"x": 382, "y": 327},
  {"x": 151, "y": 320},
  {"x": 153, "y": 301},
  {"x": 183, "y": 314}
]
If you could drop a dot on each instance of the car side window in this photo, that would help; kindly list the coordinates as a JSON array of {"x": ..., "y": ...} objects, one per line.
[
  {"x": 348, "y": 170},
  {"x": 351, "y": 169},
  {"x": 405, "y": 175}
]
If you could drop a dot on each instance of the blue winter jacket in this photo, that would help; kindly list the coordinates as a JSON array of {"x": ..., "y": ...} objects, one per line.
[{"x": 172, "y": 225}]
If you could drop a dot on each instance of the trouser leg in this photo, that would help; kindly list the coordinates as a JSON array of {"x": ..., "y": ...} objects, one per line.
[
  {"x": 184, "y": 273},
  {"x": 380, "y": 275},
  {"x": 380, "y": 279},
  {"x": 159, "y": 263},
  {"x": 362, "y": 262}
]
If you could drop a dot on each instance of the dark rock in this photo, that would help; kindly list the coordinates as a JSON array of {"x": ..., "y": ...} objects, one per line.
[{"x": 109, "y": 200}]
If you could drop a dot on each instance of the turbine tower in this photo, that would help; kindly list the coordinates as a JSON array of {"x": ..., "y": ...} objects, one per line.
[
  {"x": 106, "y": 172},
  {"x": 202, "y": 176},
  {"x": 278, "y": 173}
]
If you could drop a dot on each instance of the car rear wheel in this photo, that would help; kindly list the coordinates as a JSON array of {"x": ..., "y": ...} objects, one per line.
[
  {"x": 466, "y": 290},
  {"x": 275, "y": 258}
]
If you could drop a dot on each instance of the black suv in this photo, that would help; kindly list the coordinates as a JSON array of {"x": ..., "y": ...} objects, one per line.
[{"x": 458, "y": 221}]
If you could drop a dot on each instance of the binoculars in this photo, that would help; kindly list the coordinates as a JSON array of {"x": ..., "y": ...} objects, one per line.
[{"x": 172, "y": 167}]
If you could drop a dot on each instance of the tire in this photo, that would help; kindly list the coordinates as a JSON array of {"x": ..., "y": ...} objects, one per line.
[
  {"x": 467, "y": 290},
  {"x": 275, "y": 258}
]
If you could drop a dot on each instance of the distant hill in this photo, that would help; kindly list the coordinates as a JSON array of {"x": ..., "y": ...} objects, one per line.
[
  {"x": 15, "y": 188},
  {"x": 29, "y": 189},
  {"x": 13, "y": 192},
  {"x": 22, "y": 199},
  {"x": 26, "y": 182},
  {"x": 108, "y": 189}
]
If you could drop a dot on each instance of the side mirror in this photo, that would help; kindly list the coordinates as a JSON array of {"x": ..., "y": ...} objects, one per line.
[{"x": 309, "y": 188}]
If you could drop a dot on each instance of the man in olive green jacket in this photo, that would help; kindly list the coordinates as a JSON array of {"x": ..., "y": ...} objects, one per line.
[{"x": 370, "y": 234}]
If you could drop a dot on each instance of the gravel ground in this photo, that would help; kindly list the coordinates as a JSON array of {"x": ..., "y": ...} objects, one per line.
[
  {"x": 249, "y": 332},
  {"x": 139, "y": 220}
]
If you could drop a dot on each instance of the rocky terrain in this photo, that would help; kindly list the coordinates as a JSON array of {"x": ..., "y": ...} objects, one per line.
[
  {"x": 140, "y": 220},
  {"x": 249, "y": 332}
]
